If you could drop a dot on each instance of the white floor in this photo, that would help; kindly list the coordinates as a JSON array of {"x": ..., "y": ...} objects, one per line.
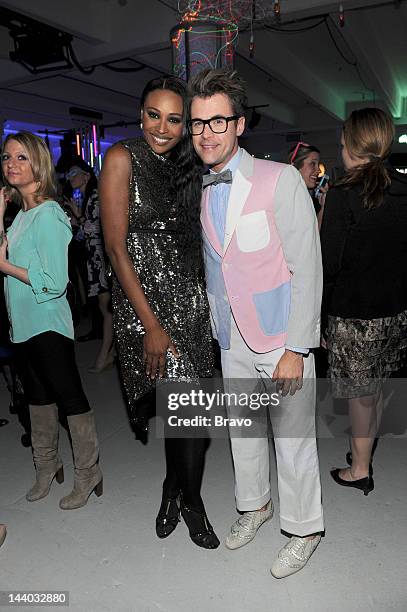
[{"x": 108, "y": 557}]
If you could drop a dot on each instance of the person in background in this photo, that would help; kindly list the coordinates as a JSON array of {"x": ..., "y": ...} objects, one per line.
[
  {"x": 77, "y": 261},
  {"x": 82, "y": 177},
  {"x": 6, "y": 353},
  {"x": 364, "y": 251},
  {"x": 41, "y": 328},
  {"x": 8, "y": 366},
  {"x": 306, "y": 159}
]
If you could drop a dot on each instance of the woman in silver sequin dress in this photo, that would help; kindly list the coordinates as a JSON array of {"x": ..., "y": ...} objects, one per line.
[
  {"x": 364, "y": 253},
  {"x": 150, "y": 194}
]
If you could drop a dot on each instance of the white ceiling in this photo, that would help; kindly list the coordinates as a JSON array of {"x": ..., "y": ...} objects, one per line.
[{"x": 310, "y": 79}]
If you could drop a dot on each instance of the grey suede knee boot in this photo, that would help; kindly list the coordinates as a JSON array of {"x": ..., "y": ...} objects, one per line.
[
  {"x": 44, "y": 436},
  {"x": 85, "y": 447}
]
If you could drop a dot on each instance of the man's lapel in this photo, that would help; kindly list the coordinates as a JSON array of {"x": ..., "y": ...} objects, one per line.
[{"x": 239, "y": 193}]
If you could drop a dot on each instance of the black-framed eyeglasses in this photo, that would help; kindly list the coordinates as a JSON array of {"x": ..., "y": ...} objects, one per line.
[{"x": 218, "y": 125}]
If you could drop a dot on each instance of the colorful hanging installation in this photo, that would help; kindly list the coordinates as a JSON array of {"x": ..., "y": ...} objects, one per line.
[
  {"x": 88, "y": 146},
  {"x": 207, "y": 34},
  {"x": 200, "y": 43},
  {"x": 239, "y": 12}
]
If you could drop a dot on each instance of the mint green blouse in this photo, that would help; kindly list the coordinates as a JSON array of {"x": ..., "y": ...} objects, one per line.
[{"x": 38, "y": 240}]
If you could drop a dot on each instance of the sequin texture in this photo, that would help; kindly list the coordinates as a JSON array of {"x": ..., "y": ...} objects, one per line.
[{"x": 175, "y": 293}]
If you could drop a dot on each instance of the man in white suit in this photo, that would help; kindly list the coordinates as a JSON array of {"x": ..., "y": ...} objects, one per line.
[{"x": 264, "y": 285}]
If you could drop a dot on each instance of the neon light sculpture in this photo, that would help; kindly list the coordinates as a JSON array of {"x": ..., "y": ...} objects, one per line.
[{"x": 204, "y": 39}]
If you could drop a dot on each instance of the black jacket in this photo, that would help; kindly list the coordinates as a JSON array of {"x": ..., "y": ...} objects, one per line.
[{"x": 364, "y": 253}]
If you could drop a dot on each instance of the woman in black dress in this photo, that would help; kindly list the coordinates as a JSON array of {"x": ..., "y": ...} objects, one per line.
[
  {"x": 150, "y": 192},
  {"x": 364, "y": 249}
]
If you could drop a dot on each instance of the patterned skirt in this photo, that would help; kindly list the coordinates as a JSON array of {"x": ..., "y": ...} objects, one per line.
[{"x": 362, "y": 353}]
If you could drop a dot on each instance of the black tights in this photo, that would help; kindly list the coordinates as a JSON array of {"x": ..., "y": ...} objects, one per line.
[{"x": 185, "y": 459}]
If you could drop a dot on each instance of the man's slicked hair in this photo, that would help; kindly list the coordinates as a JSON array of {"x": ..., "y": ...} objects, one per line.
[{"x": 210, "y": 81}]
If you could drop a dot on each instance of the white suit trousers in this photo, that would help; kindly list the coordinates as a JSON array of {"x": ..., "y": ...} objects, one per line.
[{"x": 293, "y": 425}]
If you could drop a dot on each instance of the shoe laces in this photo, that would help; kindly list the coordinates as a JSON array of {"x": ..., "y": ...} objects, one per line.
[
  {"x": 297, "y": 548},
  {"x": 246, "y": 521}
]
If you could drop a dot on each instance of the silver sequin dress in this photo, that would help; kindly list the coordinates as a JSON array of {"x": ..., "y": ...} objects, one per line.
[{"x": 175, "y": 293}]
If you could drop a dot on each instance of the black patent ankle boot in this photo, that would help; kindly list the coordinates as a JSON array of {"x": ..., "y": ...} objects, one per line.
[
  {"x": 200, "y": 530},
  {"x": 167, "y": 517}
]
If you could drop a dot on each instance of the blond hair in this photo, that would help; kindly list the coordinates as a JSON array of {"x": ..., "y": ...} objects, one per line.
[{"x": 41, "y": 166}]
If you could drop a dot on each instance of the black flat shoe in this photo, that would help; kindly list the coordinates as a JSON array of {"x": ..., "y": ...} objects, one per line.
[
  {"x": 167, "y": 517},
  {"x": 200, "y": 529},
  {"x": 349, "y": 462},
  {"x": 364, "y": 484},
  {"x": 3, "y": 422}
]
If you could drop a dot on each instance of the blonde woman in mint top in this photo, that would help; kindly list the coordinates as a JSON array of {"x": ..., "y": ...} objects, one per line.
[{"x": 34, "y": 260}]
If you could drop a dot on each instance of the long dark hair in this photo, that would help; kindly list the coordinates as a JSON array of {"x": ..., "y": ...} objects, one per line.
[
  {"x": 187, "y": 176},
  {"x": 368, "y": 133}
]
